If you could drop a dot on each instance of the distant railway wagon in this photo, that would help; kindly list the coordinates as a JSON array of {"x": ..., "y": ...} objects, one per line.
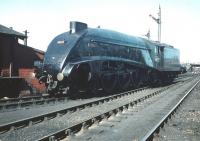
[{"x": 91, "y": 59}]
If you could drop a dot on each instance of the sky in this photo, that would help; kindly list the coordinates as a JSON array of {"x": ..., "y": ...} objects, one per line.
[{"x": 45, "y": 19}]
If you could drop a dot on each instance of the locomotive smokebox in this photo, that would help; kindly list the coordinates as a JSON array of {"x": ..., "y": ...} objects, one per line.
[{"x": 77, "y": 26}]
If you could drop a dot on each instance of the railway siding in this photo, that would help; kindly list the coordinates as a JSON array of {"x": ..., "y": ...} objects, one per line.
[
  {"x": 185, "y": 123},
  {"x": 9, "y": 106}
]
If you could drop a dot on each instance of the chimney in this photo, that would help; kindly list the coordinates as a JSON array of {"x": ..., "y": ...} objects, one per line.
[{"x": 77, "y": 26}]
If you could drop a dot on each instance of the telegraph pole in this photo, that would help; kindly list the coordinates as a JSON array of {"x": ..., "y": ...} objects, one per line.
[
  {"x": 159, "y": 24},
  {"x": 26, "y": 37},
  {"x": 158, "y": 21}
]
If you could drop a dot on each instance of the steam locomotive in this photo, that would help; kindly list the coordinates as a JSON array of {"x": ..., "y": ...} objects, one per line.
[{"x": 94, "y": 59}]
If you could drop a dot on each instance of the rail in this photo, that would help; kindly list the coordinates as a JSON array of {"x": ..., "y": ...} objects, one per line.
[{"x": 20, "y": 99}]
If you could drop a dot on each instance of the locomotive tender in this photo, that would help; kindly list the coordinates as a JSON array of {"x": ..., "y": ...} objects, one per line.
[{"x": 94, "y": 58}]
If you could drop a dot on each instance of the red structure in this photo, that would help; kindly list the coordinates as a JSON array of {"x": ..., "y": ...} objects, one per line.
[{"x": 16, "y": 60}]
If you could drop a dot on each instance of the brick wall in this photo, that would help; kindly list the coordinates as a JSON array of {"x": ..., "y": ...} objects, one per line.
[{"x": 28, "y": 75}]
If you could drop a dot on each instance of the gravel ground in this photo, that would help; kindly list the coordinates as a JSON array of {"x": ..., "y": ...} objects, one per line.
[
  {"x": 185, "y": 124},
  {"x": 135, "y": 122},
  {"x": 39, "y": 130}
]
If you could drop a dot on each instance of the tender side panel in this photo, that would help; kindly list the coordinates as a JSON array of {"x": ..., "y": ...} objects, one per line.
[{"x": 171, "y": 60}]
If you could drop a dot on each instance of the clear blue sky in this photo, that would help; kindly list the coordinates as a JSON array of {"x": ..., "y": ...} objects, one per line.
[{"x": 45, "y": 19}]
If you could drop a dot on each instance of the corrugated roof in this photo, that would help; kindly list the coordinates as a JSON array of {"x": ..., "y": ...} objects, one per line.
[{"x": 9, "y": 31}]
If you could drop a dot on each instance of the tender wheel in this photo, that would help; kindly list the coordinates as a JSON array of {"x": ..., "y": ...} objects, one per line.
[
  {"x": 109, "y": 82},
  {"x": 124, "y": 80}
]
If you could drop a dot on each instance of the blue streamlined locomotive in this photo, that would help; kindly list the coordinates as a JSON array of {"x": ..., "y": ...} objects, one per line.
[{"x": 93, "y": 59}]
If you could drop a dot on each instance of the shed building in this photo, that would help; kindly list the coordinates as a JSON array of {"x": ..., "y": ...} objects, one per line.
[{"x": 17, "y": 60}]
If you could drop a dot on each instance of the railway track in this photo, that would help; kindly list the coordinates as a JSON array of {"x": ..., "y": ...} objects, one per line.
[
  {"x": 17, "y": 103},
  {"x": 28, "y": 101},
  {"x": 74, "y": 127},
  {"x": 64, "y": 133},
  {"x": 40, "y": 118},
  {"x": 156, "y": 129},
  {"x": 21, "y": 99},
  {"x": 130, "y": 124}
]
